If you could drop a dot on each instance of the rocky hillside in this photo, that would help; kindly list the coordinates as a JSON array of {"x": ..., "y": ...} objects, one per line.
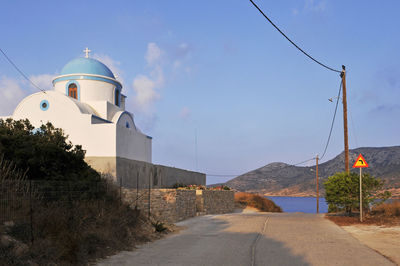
[{"x": 283, "y": 179}]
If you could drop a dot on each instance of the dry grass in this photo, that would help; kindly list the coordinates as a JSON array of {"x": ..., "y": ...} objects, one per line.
[
  {"x": 386, "y": 214},
  {"x": 77, "y": 232},
  {"x": 387, "y": 209},
  {"x": 257, "y": 201}
]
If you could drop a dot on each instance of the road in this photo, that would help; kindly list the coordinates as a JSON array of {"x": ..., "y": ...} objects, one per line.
[{"x": 254, "y": 239}]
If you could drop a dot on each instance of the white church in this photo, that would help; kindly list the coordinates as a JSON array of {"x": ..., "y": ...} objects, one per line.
[{"x": 88, "y": 104}]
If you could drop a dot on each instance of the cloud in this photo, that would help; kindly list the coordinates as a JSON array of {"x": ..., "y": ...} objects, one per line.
[
  {"x": 185, "y": 113},
  {"x": 145, "y": 90},
  {"x": 315, "y": 5},
  {"x": 43, "y": 81},
  {"x": 112, "y": 64},
  {"x": 153, "y": 54},
  {"x": 388, "y": 108},
  {"x": 146, "y": 87},
  {"x": 390, "y": 75},
  {"x": 11, "y": 94},
  {"x": 180, "y": 55}
]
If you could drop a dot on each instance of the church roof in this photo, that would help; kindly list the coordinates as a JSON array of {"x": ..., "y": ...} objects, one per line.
[{"x": 87, "y": 66}]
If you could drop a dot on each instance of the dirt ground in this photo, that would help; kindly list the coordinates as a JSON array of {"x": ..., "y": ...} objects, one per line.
[
  {"x": 385, "y": 240},
  {"x": 379, "y": 233}
]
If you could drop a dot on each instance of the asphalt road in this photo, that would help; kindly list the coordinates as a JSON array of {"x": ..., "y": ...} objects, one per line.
[{"x": 254, "y": 239}]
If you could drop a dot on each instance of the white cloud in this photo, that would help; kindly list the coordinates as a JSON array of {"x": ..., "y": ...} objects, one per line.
[
  {"x": 182, "y": 54},
  {"x": 185, "y": 113},
  {"x": 11, "y": 94},
  {"x": 43, "y": 81},
  {"x": 153, "y": 54},
  {"x": 112, "y": 64},
  {"x": 146, "y": 86},
  {"x": 315, "y": 5},
  {"x": 145, "y": 90}
]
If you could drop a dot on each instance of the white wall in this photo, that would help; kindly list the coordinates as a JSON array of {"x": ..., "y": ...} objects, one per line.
[
  {"x": 63, "y": 112},
  {"x": 131, "y": 143},
  {"x": 90, "y": 90}
]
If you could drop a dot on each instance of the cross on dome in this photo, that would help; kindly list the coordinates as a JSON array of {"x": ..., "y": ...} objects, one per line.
[{"x": 87, "y": 51}]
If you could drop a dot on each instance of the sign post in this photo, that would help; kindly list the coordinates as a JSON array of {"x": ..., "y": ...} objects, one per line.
[{"x": 360, "y": 163}]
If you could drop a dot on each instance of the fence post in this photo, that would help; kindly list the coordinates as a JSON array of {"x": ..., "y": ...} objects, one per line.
[
  {"x": 150, "y": 174},
  {"x": 120, "y": 190},
  {"x": 31, "y": 210},
  {"x": 137, "y": 189}
]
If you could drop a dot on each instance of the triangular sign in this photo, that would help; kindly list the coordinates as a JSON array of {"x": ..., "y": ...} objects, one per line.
[{"x": 360, "y": 162}]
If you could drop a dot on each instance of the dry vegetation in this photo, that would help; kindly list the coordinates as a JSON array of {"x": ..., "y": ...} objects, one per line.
[
  {"x": 386, "y": 214},
  {"x": 74, "y": 233},
  {"x": 259, "y": 202}
]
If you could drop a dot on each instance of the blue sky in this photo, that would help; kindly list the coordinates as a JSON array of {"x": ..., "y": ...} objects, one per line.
[{"x": 216, "y": 70}]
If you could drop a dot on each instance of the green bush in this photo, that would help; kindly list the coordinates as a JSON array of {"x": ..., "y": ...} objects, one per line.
[
  {"x": 45, "y": 153},
  {"x": 342, "y": 191}
]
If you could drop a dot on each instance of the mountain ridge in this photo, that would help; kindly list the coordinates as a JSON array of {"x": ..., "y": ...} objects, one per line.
[{"x": 281, "y": 179}]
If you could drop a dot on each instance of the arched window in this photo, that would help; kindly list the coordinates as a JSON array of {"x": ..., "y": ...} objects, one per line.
[
  {"x": 117, "y": 96},
  {"x": 73, "y": 91}
]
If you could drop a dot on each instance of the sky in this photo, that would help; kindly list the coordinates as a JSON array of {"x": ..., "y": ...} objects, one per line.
[{"x": 216, "y": 86}]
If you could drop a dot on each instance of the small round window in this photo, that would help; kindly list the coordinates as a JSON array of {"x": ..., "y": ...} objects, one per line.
[{"x": 44, "y": 105}]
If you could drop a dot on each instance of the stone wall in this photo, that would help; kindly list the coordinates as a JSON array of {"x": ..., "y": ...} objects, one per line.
[
  {"x": 138, "y": 174},
  {"x": 215, "y": 201},
  {"x": 170, "y": 205},
  {"x": 173, "y": 205}
]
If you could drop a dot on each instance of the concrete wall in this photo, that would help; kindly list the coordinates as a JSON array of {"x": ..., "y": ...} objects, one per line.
[
  {"x": 133, "y": 174},
  {"x": 215, "y": 201}
]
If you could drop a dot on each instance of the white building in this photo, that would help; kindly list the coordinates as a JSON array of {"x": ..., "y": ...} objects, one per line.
[{"x": 88, "y": 104}]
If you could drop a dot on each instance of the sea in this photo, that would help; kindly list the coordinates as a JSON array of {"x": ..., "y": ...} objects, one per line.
[{"x": 300, "y": 204}]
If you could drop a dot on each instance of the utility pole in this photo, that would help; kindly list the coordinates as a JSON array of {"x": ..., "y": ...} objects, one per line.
[
  {"x": 346, "y": 132},
  {"x": 316, "y": 173}
]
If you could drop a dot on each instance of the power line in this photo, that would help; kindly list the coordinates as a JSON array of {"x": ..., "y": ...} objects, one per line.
[
  {"x": 20, "y": 71},
  {"x": 333, "y": 120},
  {"x": 288, "y": 165},
  {"x": 301, "y": 50}
]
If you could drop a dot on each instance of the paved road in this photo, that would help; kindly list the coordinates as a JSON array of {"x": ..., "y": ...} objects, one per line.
[{"x": 247, "y": 239}]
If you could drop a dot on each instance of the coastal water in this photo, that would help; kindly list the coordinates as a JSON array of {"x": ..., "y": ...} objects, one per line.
[{"x": 300, "y": 204}]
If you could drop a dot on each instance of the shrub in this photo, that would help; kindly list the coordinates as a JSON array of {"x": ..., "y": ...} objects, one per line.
[
  {"x": 387, "y": 209},
  {"x": 257, "y": 201},
  {"x": 74, "y": 232},
  {"x": 76, "y": 215},
  {"x": 342, "y": 191},
  {"x": 45, "y": 152},
  {"x": 159, "y": 226},
  {"x": 178, "y": 185}
]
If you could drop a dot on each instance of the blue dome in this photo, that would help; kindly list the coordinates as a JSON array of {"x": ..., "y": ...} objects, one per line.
[{"x": 87, "y": 66}]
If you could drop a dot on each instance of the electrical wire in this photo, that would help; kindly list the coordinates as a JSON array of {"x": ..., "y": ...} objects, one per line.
[
  {"x": 333, "y": 120},
  {"x": 288, "y": 165},
  {"x": 20, "y": 71},
  {"x": 295, "y": 45}
]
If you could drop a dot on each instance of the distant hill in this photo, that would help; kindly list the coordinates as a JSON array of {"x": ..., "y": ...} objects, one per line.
[{"x": 282, "y": 179}]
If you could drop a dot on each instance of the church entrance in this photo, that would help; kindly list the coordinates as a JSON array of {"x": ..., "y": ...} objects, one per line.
[{"x": 73, "y": 91}]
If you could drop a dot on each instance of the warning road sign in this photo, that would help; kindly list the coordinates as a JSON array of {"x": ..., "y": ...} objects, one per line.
[{"x": 360, "y": 162}]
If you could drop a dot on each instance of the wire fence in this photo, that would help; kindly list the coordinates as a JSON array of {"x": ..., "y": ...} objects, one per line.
[{"x": 22, "y": 200}]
